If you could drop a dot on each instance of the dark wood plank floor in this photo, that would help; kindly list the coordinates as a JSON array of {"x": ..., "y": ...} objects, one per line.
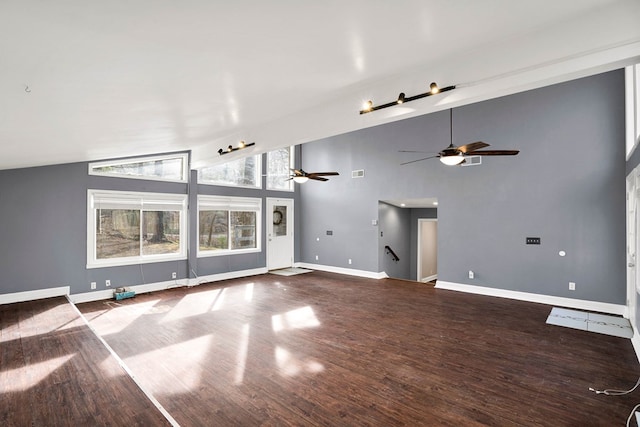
[
  {"x": 322, "y": 349},
  {"x": 54, "y": 371}
]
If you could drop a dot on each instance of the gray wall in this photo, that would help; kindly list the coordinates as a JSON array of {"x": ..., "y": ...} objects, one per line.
[
  {"x": 567, "y": 186},
  {"x": 43, "y": 227}
]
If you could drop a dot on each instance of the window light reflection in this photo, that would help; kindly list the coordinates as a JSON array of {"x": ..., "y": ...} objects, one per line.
[
  {"x": 241, "y": 360},
  {"x": 290, "y": 366},
  {"x": 192, "y": 305},
  {"x": 295, "y": 319},
  {"x": 25, "y": 377}
]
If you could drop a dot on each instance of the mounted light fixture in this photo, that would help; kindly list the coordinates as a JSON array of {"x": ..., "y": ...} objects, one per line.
[
  {"x": 231, "y": 148},
  {"x": 433, "y": 90},
  {"x": 452, "y": 160},
  {"x": 300, "y": 179}
]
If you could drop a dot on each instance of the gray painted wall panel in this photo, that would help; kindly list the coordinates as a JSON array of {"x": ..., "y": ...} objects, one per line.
[
  {"x": 566, "y": 186},
  {"x": 43, "y": 223}
]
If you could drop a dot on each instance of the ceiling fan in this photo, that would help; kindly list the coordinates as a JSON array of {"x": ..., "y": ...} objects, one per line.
[
  {"x": 453, "y": 155},
  {"x": 300, "y": 176}
]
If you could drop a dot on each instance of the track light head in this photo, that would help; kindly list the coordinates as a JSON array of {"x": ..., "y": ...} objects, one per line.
[
  {"x": 434, "y": 88},
  {"x": 367, "y": 106},
  {"x": 231, "y": 148},
  {"x": 400, "y": 98}
]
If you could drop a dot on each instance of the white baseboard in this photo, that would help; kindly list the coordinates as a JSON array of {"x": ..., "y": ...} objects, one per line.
[
  {"x": 33, "y": 295},
  {"x": 226, "y": 276},
  {"x": 601, "y": 307},
  {"x": 341, "y": 270},
  {"x": 161, "y": 286},
  {"x": 428, "y": 279}
]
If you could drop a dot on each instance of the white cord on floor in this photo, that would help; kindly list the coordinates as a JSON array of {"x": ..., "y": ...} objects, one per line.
[
  {"x": 611, "y": 392},
  {"x": 631, "y": 414}
]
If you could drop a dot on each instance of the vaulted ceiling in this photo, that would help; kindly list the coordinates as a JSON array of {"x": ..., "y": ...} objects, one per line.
[{"x": 85, "y": 80}]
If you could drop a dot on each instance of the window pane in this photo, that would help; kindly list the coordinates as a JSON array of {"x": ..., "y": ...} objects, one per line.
[
  {"x": 117, "y": 233},
  {"x": 278, "y": 169},
  {"x": 171, "y": 168},
  {"x": 214, "y": 230},
  {"x": 243, "y": 226},
  {"x": 243, "y": 172},
  {"x": 161, "y": 232},
  {"x": 280, "y": 220}
]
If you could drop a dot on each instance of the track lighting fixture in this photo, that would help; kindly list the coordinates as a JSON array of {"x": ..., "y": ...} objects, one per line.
[
  {"x": 231, "y": 148},
  {"x": 402, "y": 98}
]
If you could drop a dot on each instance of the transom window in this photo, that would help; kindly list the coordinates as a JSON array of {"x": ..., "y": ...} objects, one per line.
[
  {"x": 132, "y": 228},
  {"x": 279, "y": 165},
  {"x": 228, "y": 225},
  {"x": 173, "y": 167},
  {"x": 243, "y": 172}
]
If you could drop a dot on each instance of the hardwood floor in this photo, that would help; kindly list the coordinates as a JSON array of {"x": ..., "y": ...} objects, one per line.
[
  {"x": 54, "y": 371},
  {"x": 323, "y": 349}
]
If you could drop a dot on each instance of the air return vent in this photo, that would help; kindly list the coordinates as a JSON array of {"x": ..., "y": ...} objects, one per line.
[
  {"x": 472, "y": 161},
  {"x": 357, "y": 174}
]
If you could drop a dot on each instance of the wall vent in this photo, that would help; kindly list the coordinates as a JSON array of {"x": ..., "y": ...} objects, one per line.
[
  {"x": 472, "y": 161},
  {"x": 357, "y": 174}
]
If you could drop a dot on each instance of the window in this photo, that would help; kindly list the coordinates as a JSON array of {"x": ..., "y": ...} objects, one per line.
[
  {"x": 243, "y": 172},
  {"x": 279, "y": 165},
  {"x": 228, "y": 225},
  {"x": 632, "y": 107},
  {"x": 174, "y": 167},
  {"x": 131, "y": 228}
]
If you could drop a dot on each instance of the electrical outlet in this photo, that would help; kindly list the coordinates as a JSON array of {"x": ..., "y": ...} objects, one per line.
[
  {"x": 93, "y": 285},
  {"x": 174, "y": 275},
  {"x": 107, "y": 282},
  {"x": 316, "y": 257},
  {"x": 471, "y": 274},
  {"x": 349, "y": 260},
  {"x": 572, "y": 286}
]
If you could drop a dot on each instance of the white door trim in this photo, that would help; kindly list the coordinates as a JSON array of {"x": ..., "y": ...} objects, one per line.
[{"x": 419, "y": 255}]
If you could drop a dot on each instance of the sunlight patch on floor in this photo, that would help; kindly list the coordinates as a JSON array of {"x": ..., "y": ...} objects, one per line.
[
  {"x": 295, "y": 319},
  {"x": 192, "y": 305},
  {"x": 119, "y": 318},
  {"x": 241, "y": 360},
  {"x": 290, "y": 365},
  {"x": 182, "y": 362},
  {"x": 23, "y": 378}
]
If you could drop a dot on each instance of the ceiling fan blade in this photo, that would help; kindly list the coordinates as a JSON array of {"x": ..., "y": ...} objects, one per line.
[
  {"x": 318, "y": 178},
  {"x": 494, "y": 153},
  {"x": 419, "y": 160},
  {"x": 310, "y": 174},
  {"x": 414, "y": 151},
  {"x": 473, "y": 146}
]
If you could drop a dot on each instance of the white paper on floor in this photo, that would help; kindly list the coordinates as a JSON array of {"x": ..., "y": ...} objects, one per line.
[
  {"x": 290, "y": 271},
  {"x": 593, "y": 322}
]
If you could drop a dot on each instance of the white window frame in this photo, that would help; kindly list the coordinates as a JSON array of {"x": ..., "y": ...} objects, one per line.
[
  {"x": 135, "y": 200},
  {"x": 229, "y": 203},
  {"x": 291, "y": 164},
  {"x": 183, "y": 156},
  {"x": 258, "y": 159},
  {"x": 632, "y": 108}
]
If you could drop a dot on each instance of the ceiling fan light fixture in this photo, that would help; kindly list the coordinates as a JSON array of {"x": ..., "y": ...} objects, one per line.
[
  {"x": 452, "y": 160},
  {"x": 300, "y": 179}
]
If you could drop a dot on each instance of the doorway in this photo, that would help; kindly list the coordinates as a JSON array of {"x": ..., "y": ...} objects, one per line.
[
  {"x": 279, "y": 233},
  {"x": 632, "y": 244},
  {"x": 427, "y": 250}
]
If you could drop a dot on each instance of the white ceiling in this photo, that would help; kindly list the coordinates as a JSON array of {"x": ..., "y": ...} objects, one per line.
[{"x": 87, "y": 80}]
